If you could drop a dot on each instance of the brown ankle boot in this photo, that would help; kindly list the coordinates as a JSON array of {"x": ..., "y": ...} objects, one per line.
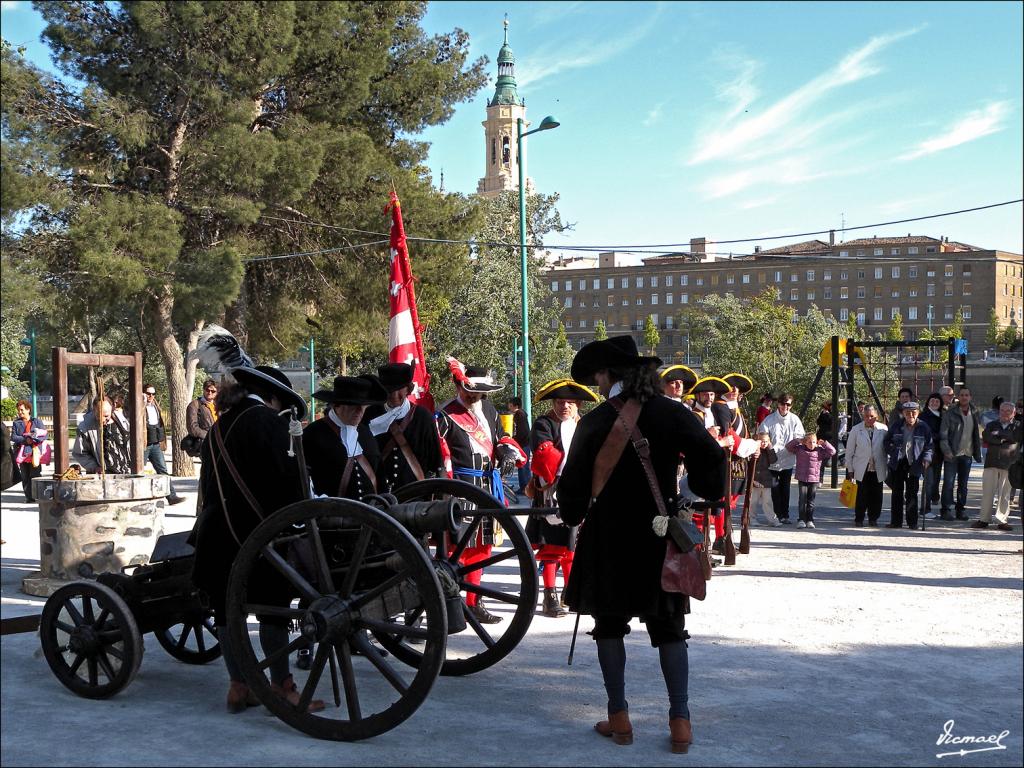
[
  {"x": 288, "y": 691},
  {"x": 682, "y": 734},
  {"x": 618, "y": 727},
  {"x": 240, "y": 698}
]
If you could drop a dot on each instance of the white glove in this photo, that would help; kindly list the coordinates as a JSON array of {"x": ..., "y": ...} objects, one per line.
[{"x": 553, "y": 519}]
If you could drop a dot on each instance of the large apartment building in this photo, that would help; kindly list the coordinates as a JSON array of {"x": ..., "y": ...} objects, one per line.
[{"x": 923, "y": 279}]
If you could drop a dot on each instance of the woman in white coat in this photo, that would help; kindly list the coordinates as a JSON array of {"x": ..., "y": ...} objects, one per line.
[{"x": 866, "y": 463}]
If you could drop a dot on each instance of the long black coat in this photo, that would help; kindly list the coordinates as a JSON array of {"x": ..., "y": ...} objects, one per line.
[
  {"x": 393, "y": 471},
  {"x": 326, "y": 458},
  {"x": 547, "y": 428},
  {"x": 458, "y": 440},
  {"x": 617, "y": 566},
  {"x": 257, "y": 441}
]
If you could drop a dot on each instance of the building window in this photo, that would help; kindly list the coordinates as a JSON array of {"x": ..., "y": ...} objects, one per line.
[
  {"x": 746, "y": 279},
  {"x": 610, "y": 283},
  {"x": 893, "y": 313},
  {"x": 625, "y": 302},
  {"x": 826, "y": 274},
  {"x": 947, "y": 289},
  {"x": 654, "y": 319},
  {"x": 669, "y": 322},
  {"x": 654, "y": 281},
  {"x": 794, "y": 277},
  {"x": 895, "y": 293},
  {"x": 912, "y": 313},
  {"x": 912, "y": 250},
  {"x": 826, "y": 293},
  {"x": 778, "y": 277},
  {"x": 810, "y": 275},
  {"x": 930, "y": 273},
  {"x": 568, "y": 302},
  {"x": 844, "y": 254},
  {"x": 714, "y": 279},
  {"x": 860, "y": 317},
  {"x": 912, "y": 293},
  {"x": 967, "y": 270},
  {"x": 912, "y": 271},
  {"x": 877, "y": 292},
  {"x": 639, "y": 282},
  {"x": 844, "y": 314},
  {"x": 894, "y": 252},
  {"x": 895, "y": 271},
  {"x": 930, "y": 289},
  {"x": 860, "y": 292},
  {"x": 860, "y": 252},
  {"x": 700, "y": 281},
  {"x": 684, "y": 280},
  {"x": 966, "y": 311},
  {"x": 931, "y": 249},
  {"x": 730, "y": 279},
  {"x": 639, "y": 301},
  {"x": 879, "y": 251},
  {"x": 624, "y": 282},
  {"x": 844, "y": 275},
  {"x": 596, "y": 284},
  {"x": 668, "y": 281},
  {"x": 654, "y": 298},
  {"x": 684, "y": 298},
  {"x": 844, "y": 292},
  {"x": 878, "y": 313},
  {"x": 568, "y": 323},
  {"x": 860, "y": 274},
  {"x": 949, "y": 270},
  {"x": 878, "y": 273},
  {"x": 947, "y": 312},
  {"x": 554, "y": 285},
  {"x": 611, "y": 299},
  {"x": 668, "y": 297},
  {"x": 568, "y": 285},
  {"x": 810, "y": 295}
]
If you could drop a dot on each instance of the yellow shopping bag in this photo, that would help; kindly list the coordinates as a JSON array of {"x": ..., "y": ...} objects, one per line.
[{"x": 848, "y": 494}]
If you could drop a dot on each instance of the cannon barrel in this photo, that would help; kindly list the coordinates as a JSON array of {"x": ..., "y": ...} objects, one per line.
[{"x": 423, "y": 517}]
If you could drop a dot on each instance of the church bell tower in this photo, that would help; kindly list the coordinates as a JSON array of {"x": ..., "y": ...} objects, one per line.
[{"x": 501, "y": 163}]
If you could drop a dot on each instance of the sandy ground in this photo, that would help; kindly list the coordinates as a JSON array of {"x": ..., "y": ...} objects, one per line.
[{"x": 838, "y": 646}]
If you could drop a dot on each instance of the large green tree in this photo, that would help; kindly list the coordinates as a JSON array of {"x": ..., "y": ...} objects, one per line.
[{"x": 208, "y": 133}]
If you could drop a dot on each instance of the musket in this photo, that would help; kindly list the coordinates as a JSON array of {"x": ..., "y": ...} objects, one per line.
[
  {"x": 745, "y": 520},
  {"x": 730, "y": 546}
]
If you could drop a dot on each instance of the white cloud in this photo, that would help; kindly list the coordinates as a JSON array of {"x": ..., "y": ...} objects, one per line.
[
  {"x": 11, "y": 5},
  {"x": 654, "y": 115},
  {"x": 560, "y": 56},
  {"x": 973, "y": 125},
  {"x": 771, "y": 127}
]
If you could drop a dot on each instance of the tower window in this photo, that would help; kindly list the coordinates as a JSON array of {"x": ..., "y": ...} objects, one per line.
[
  {"x": 494, "y": 151},
  {"x": 505, "y": 152}
]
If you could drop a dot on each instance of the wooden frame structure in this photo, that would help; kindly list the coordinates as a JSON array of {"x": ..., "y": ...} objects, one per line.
[{"x": 136, "y": 420}]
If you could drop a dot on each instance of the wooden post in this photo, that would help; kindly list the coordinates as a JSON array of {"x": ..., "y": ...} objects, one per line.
[
  {"x": 60, "y": 410},
  {"x": 138, "y": 416}
]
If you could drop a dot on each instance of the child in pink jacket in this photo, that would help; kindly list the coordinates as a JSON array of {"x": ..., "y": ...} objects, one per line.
[{"x": 811, "y": 454}]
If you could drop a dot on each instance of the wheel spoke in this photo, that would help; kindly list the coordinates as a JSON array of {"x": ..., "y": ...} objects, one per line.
[
  {"x": 464, "y": 540},
  {"x": 87, "y": 611},
  {"x": 72, "y": 610},
  {"x": 102, "y": 618},
  {"x": 380, "y": 663},
  {"x": 294, "y": 644},
  {"x": 313, "y": 680},
  {"x": 322, "y": 571},
  {"x": 296, "y": 579},
  {"x": 348, "y": 677},
  {"x": 200, "y": 642},
  {"x": 104, "y": 663},
  {"x": 77, "y": 663},
  {"x": 481, "y": 564},
  {"x": 111, "y": 636},
  {"x": 64, "y": 627},
  {"x": 474, "y": 622},
  {"x": 494, "y": 594},
  {"x": 362, "y": 543},
  {"x": 94, "y": 676},
  {"x": 331, "y": 657},
  {"x": 185, "y": 629},
  {"x": 380, "y": 589},
  {"x": 116, "y": 653},
  {"x": 391, "y": 628},
  {"x": 273, "y": 611}
]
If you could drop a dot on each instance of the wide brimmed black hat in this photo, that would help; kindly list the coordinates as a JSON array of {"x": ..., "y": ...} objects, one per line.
[
  {"x": 711, "y": 384},
  {"x": 394, "y": 376},
  {"x": 354, "y": 390},
  {"x": 679, "y": 373},
  {"x": 565, "y": 389},
  {"x": 265, "y": 378},
  {"x": 613, "y": 352},
  {"x": 742, "y": 383}
]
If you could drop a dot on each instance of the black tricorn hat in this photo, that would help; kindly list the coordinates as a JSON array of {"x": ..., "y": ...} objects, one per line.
[
  {"x": 613, "y": 352},
  {"x": 711, "y": 384},
  {"x": 354, "y": 390},
  {"x": 565, "y": 389},
  {"x": 739, "y": 381},
  {"x": 272, "y": 380},
  {"x": 679, "y": 373},
  {"x": 395, "y": 376},
  {"x": 480, "y": 379}
]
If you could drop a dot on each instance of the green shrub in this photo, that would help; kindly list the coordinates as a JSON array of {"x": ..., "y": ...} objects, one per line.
[{"x": 8, "y": 411}]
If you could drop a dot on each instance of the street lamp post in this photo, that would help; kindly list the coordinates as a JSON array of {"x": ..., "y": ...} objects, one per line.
[
  {"x": 312, "y": 379},
  {"x": 545, "y": 125},
  {"x": 30, "y": 342}
]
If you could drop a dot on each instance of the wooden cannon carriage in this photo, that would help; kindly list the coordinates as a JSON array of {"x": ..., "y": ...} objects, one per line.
[{"x": 387, "y": 569}]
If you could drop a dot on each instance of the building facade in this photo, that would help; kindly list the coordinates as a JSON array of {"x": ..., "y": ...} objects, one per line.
[{"x": 923, "y": 279}]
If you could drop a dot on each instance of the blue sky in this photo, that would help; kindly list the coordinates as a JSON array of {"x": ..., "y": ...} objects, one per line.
[{"x": 732, "y": 120}]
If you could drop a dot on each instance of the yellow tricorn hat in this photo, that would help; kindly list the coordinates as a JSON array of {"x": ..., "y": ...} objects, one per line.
[
  {"x": 738, "y": 380},
  {"x": 711, "y": 384},
  {"x": 679, "y": 373},
  {"x": 565, "y": 389}
]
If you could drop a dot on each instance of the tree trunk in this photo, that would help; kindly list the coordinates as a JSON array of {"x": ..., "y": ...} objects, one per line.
[
  {"x": 192, "y": 364},
  {"x": 180, "y": 395}
]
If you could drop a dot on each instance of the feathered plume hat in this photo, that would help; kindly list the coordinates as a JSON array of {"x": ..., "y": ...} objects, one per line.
[
  {"x": 473, "y": 378},
  {"x": 219, "y": 354}
]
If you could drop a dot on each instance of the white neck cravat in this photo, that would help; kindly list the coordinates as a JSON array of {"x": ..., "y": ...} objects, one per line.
[
  {"x": 382, "y": 423},
  {"x": 349, "y": 435}
]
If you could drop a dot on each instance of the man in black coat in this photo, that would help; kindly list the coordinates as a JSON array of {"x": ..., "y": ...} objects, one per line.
[
  {"x": 248, "y": 450},
  {"x": 341, "y": 454},
  {"x": 617, "y": 569},
  {"x": 406, "y": 434}
]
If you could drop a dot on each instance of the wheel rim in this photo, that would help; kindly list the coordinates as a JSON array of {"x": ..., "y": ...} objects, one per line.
[
  {"x": 90, "y": 639},
  {"x": 509, "y": 584},
  {"x": 362, "y": 572},
  {"x": 192, "y": 640}
]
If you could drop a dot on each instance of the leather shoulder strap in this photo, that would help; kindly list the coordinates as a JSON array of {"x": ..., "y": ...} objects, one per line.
[
  {"x": 643, "y": 450},
  {"x": 219, "y": 440},
  {"x": 346, "y": 475},
  {"x": 614, "y": 444}
]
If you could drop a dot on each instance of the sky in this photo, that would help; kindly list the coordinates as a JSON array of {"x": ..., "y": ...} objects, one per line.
[{"x": 744, "y": 120}]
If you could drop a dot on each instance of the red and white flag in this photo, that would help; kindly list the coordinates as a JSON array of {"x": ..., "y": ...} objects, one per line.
[{"x": 405, "y": 333}]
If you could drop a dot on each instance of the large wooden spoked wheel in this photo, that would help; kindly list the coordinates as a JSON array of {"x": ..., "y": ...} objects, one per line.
[
  {"x": 90, "y": 639},
  {"x": 508, "y": 584},
  {"x": 351, "y": 570},
  {"x": 192, "y": 640}
]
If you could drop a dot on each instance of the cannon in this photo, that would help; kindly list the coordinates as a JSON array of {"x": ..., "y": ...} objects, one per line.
[{"x": 376, "y": 588}]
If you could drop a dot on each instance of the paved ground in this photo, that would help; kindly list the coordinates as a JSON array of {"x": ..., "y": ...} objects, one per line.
[{"x": 839, "y": 646}]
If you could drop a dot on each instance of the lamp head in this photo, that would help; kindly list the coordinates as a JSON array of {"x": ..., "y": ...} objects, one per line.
[{"x": 548, "y": 123}]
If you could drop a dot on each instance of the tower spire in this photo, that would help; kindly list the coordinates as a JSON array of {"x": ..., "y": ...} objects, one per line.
[{"x": 505, "y": 90}]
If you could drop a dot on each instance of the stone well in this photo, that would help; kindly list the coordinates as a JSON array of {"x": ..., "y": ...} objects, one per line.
[{"x": 95, "y": 525}]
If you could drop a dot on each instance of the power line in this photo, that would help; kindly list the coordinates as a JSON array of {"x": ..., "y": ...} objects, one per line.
[{"x": 314, "y": 253}]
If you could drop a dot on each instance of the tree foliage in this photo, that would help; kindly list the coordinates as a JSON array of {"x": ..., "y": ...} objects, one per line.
[
  {"x": 651, "y": 336},
  {"x": 600, "y": 332},
  {"x": 208, "y": 133}
]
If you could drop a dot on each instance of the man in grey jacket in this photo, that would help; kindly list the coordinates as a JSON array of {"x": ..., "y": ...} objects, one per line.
[
  {"x": 1002, "y": 437},
  {"x": 960, "y": 442}
]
